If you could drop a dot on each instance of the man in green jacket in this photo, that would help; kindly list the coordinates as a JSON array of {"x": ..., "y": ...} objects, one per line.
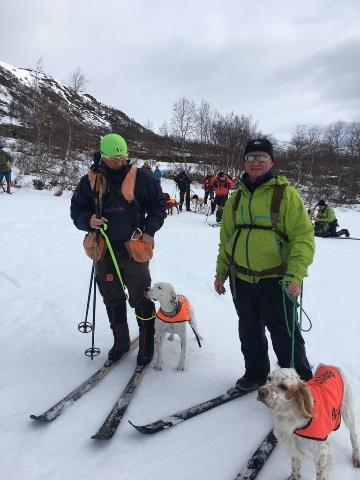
[
  {"x": 326, "y": 222},
  {"x": 266, "y": 245},
  {"x": 5, "y": 168}
]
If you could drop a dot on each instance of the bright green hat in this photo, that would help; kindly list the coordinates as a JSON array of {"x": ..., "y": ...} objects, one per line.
[{"x": 113, "y": 145}]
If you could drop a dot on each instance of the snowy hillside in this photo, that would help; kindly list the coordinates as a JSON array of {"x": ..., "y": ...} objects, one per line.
[{"x": 44, "y": 278}]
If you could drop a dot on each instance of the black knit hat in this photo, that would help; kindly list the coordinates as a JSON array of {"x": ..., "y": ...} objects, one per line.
[
  {"x": 321, "y": 203},
  {"x": 260, "y": 145}
]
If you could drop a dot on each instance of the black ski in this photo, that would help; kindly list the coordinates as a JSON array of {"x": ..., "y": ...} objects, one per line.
[
  {"x": 345, "y": 238},
  {"x": 251, "y": 470},
  {"x": 179, "y": 417},
  {"x": 57, "y": 409},
  {"x": 112, "y": 421}
]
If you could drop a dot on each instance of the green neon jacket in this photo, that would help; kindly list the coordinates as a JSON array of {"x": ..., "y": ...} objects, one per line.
[
  {"x": 263, "y": 249},
  {"x": 328, "y": 215}
]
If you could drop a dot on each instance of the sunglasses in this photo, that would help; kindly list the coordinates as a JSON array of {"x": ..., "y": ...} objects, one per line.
[{"x": 257, "y": 158}]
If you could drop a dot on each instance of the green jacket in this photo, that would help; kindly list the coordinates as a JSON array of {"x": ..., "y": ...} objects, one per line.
[
  {"x": 263, "y": 249},
  {"x": 5, "y": 160},
  {"x": 328, "y": 215}
]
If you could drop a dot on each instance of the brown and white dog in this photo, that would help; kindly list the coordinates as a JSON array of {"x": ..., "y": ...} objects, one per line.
[
  {"x": 172, "y": 307},
  {"x": 306, "y": 412},
  {"x": 199, "y": 206}
]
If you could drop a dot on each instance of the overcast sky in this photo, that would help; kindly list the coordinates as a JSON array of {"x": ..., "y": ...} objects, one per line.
[{"x": 283, "y": 62}]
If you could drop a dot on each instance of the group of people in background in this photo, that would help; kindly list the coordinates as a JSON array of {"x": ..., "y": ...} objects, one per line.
[{"x": 157, "y": 173}]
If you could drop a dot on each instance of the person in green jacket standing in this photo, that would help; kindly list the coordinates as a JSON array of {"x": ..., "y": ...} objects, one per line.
[
  {"x": 326, "y": 222},
  {"x": 266, "y": 245},
  {"x": 5, "y": 168}
]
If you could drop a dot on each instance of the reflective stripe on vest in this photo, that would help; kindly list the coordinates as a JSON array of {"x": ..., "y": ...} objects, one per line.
[
  {"x": 327, "y": 390},
  {"x": 183, "y": 315}
]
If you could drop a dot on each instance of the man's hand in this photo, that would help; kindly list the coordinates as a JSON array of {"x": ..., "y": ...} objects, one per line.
[
  {"x": 219, "y": 286},
  {"x": 147, "y": 239},
  {"x": 96, "y": 223},
  {"x": 294, "y": 289}
]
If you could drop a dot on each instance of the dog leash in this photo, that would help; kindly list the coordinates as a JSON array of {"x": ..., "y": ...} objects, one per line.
[
  {"x": 295, "y": 305},
  {"x": 117, "y": 269},
  {"x": 196, "y": 335}
]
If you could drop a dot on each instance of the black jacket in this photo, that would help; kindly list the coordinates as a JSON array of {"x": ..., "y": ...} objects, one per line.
[
  {"x": 150, "y": 208},
  {"x": 182, "y": 181}
]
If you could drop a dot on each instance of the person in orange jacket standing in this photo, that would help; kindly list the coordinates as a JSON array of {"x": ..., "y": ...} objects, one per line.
[{"x": 221, "y": 185}]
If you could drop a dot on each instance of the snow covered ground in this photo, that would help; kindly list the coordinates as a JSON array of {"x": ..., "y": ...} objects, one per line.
[{"x": 44, "y": 277}]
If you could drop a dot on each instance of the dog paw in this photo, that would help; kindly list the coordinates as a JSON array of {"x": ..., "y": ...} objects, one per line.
[
  {"x": 157, "y": 367},
  {"x": 295, "y": 477},
  {"x": 180, "y": 368},
  {"x": 356, "y": 460}
]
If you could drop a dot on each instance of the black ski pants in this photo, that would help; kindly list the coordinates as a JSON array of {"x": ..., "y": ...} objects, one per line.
[
  {"x": 218, "y": 201},
  {"x": 136, "y": 277},
  {"x": 208, "y": 194},
  {"x": 185, "y": 194},
  {"x": 258, "y": 306}
]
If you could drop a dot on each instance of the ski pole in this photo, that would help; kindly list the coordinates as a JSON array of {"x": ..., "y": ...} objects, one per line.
[
  {"x": 93, "y": 351},
  {"x": 86, "y": 327}
]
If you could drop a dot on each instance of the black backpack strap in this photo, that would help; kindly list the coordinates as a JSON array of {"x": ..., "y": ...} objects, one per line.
[{"x": 236, "y": 205}]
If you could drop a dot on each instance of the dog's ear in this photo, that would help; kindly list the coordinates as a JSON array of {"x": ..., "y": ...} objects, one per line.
[
  {"x": 173, "y": 299},
  {"x": 302, "y": 399}
]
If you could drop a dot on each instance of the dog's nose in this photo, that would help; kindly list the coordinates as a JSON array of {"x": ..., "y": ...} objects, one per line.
[{"x": 262, "y": 392}]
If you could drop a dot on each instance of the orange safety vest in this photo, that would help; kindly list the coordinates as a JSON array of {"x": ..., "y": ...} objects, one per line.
[
  {"x": 183, "y": 314},
  {"x": 327, "y": 390},
  {"x": 171, "y": 201}
]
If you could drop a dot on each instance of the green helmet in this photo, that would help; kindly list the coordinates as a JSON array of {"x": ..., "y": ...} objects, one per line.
[{"x": 113, "y": 145}]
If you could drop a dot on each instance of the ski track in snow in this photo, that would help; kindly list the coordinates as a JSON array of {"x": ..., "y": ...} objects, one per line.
[{"x": 44, "y": 280}]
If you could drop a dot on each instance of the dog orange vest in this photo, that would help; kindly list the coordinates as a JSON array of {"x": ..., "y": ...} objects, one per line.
[
  {"x": 327, "y": 390},
  {"x": 171, "y": 202},
  {"x": 183, "y": 314}
]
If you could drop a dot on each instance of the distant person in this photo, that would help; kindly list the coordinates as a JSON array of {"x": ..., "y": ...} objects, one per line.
[
  {"x": 326, "y": 222},
  {"x": 221, "y": 184},
  {"x": 183, "y": 182},
  {"x": 147, "y": 168},
  {"x": 208, "y": 188},
  {"x": 5, "y": 167},
  {"x": 157, "y": 174}
]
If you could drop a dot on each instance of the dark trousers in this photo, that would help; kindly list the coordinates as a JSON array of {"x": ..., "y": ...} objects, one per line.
[
  {"x": 207, "y": 194},
  {"x": 185, "y": 194},
  {"x": 218, "y": 201},
  {"x": 258, "y": 306},
  {"x": 136, "y": 277}
]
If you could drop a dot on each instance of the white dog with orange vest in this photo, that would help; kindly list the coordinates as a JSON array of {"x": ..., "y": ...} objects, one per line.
[{"x": 174, "y": 312}]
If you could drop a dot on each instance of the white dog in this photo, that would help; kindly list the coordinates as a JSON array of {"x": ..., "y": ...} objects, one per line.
[
  {"x": 301, "y": 423},
  {"x": 170, "y": 319}
]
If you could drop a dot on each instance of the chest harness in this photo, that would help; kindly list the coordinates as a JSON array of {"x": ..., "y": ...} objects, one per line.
[{"x": 278, "y": 192}]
